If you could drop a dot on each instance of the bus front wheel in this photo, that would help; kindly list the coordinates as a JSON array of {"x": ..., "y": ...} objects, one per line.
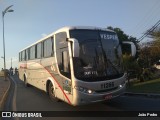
[{"x": 51, "y": 92}]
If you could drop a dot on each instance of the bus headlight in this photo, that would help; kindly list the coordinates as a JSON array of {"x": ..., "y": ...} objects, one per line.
[
  {"x": 90, "y": 91},
  {"x": 85, "y": 90},
  {"x": 122, "y": 84}
]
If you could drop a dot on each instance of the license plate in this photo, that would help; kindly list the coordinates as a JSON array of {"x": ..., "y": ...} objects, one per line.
[{"x": 108, "y": 97}]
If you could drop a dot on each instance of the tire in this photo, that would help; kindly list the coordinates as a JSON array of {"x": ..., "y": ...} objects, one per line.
[
  {"x": 51, "y": 91},
  {"x": 25, "y": 82}
]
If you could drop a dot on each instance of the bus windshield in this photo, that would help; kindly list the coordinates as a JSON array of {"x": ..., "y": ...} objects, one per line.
[{"x": 99, "y": 55}]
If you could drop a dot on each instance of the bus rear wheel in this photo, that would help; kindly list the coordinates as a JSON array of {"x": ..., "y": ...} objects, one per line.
[
  {"x": 51, "y": 92},
  {"x": 25, "y": 82}
]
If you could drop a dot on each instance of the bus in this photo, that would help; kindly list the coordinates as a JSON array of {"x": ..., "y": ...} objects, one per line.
[{"x": 78, "y": 65}]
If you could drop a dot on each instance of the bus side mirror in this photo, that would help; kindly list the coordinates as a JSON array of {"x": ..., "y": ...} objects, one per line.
[
  {"x": 129, "y": 47},
  {"x": 75, "y": 46}
]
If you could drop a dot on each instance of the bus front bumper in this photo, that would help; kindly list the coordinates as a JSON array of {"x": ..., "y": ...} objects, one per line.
[{"x": 85, "y": 98}]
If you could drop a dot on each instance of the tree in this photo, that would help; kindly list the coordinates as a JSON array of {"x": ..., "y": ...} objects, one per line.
[
  {"x": 122, "y": 36},
  {"x": 151, "y": 52},
  {"x": 149, "y": 55},
  {"x": 155, "y": 34}
]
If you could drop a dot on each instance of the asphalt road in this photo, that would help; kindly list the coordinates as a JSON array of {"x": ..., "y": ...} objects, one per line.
[{"x": 32, "y": 99}]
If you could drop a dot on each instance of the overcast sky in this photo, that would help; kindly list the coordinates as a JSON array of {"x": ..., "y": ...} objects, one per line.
[{"x": 33, "y": 19}]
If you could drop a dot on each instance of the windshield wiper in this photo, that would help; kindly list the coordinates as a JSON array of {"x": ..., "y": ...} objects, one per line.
[
  {"x": 106, "y": 59},
  {"x": 113, "y": 66}
]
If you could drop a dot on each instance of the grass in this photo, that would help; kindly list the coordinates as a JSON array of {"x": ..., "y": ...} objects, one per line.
[{"x": 151, "y": 86}]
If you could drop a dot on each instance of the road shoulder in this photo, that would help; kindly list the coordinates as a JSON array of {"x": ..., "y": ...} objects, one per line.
[{"x": 4, "y": 89}]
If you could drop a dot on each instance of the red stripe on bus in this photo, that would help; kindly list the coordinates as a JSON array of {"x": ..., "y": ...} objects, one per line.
[
  {"x": 23, "y": 65},
  {"x": 55, "y": 80},
  {"x": 58, "y": 85}
]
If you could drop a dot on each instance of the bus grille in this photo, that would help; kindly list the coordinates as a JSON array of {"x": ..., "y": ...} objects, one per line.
[{"x": 106, "y": 90}]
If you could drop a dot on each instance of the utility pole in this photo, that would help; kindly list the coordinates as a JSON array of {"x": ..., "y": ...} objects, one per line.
[{"x": 3, "y": 14}]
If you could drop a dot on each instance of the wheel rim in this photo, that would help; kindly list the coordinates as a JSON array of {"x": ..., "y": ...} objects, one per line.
[
  {"x": 52, "y": 90},
  {"x": 25, "y": 82}
]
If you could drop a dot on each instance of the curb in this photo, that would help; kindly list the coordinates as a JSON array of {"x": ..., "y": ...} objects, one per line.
[
  {"x": 2, "y": 102},
  {"x": 149, "y": 95}
]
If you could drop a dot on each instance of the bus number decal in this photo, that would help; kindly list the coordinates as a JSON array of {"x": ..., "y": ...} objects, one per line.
[{"x": 107, "y": 85}]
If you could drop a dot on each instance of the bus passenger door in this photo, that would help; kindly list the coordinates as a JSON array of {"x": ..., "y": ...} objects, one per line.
[{"x": 62, "y": 55}]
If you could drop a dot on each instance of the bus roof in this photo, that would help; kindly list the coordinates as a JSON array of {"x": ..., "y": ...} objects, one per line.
[
  {"x": 82, "y": 27},
  {"x": 67, "y": 28}
]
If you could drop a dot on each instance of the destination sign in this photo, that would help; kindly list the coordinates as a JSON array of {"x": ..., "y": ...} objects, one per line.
[{"x": 108, "y": 37}]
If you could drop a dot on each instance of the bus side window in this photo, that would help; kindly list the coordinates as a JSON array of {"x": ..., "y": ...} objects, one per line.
[
  {"x": 39, "y": 50},
  {"x": 19, "y": 56},
  {"x": 23, "y": 55},
  {"x": 52, "y": 41},
  {"x": 42, "y": 50},
  {"x": 35, "y": 51},
  {"x": 48, "y": 47},
  {"x": 28, "y": 53}
]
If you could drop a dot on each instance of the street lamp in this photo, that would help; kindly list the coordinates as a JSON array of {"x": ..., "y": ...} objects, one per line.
[{"x": 3, "y": 13}]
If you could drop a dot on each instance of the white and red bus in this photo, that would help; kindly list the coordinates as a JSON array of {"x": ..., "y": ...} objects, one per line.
[{"x": 78, "y": 65}]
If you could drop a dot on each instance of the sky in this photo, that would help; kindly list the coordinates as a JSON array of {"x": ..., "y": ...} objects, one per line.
[{"x": 33, "y": 19}]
